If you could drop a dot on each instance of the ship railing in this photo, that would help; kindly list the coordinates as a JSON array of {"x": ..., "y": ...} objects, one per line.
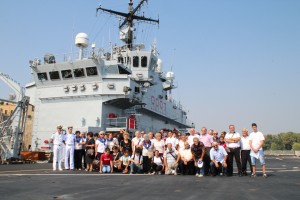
[
  {"x": 116, "y": 122},
  {"x": 72, "y": 56}
]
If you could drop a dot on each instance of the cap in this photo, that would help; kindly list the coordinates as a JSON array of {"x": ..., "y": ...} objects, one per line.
[
  {"x": 200, "y": 164},
  {"x": 70, "y": 127},
  {"x": 59, "y": 126}
]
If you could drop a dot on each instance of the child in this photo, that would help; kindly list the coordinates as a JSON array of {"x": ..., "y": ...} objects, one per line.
[{"x": 125, "y": 162}]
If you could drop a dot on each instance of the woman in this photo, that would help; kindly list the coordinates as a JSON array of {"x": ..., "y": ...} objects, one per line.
[
  {"x": 147, "y": 152},
  {"x": 126, "y": 143},
  {"x": 106, "y": 162},
  {"x": 111, "y": 141},
  {"x": 90, "y": 151},
  {"x": 78, "y": 151},
  {"x": 159, "y": 144},
  {"x": 157, "y": 165},
  {"x": 116, "y": 157}
]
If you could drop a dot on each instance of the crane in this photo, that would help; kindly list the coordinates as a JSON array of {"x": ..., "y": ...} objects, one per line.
[{"x": 12, "y": 129}]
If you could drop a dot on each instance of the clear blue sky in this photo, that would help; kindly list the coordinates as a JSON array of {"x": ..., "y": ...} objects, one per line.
[{"x": 235, "y": 61}]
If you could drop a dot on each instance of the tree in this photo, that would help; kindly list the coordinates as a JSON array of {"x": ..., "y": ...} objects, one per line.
[
  {"x": 275, "y": 146},
  {"x": 296, "y": 146}
]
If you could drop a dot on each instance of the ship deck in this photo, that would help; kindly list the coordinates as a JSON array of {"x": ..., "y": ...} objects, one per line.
[{"x": 38, "y": 181}]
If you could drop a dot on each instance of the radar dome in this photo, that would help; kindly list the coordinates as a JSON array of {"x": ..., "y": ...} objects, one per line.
[
  {"x": 170, "y": 76},
  {"x": 82, "y": 40},
  {"x": 159, "y": 67}
]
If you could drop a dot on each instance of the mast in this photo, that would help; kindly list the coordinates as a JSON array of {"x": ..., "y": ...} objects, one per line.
[{"x": 129, "y": 17}]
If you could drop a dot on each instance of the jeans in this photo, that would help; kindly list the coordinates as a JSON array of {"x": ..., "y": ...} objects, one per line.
[
  {"x": 134, "y": 168},
  {"x": 215, "y": 170},
  {"x": 105, "y": 168}
]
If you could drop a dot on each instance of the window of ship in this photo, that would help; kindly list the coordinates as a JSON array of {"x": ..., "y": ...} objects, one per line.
[
  {"x": 79, "y": 72},
  {"x": 120, "y": 60},
  {"x": 91, "y": 71},
  {"x": 54, "y": 75},
  {"x": 129, "y": 60},
  {"x": 42, "y": 76},
  {"x": 144, "y": 61},
  {"x": 136, "y": 61},
  {"x": 66, "y": 74}
]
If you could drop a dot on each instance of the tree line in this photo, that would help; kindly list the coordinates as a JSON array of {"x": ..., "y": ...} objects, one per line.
[{"x": 282, "y": 141}]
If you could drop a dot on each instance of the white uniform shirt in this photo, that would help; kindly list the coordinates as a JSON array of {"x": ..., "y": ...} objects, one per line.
[
  {"x": 233, "y": 135},
  {"x": 245, "y": 143},
  {"x": 101, "y": 145},
  {"x": 256, "y": 137},
  {"x": 70, "y": 139},
  {"x": 57, "y": 138}
]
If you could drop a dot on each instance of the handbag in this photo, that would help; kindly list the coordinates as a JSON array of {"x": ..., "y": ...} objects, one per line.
[{"x": 90, "y": 152}]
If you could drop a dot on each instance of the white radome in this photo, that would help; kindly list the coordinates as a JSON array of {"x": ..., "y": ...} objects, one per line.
[
  {"x": 82, "y": 40},
  {"x": 170, "y": 76}
]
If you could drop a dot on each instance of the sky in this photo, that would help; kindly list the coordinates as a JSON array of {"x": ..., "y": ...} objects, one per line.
[{"x": 235, "y": 61}]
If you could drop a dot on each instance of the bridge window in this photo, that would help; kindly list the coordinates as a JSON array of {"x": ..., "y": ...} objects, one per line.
[
  {"x": 120, "y": 60},
  {"x": 136, "y": 61},
  {"x": 79, "y": 72},
  {"x": 66, "y": 74},
  {"x": 54, "y": 75},
  {"x": 42, "y": 76},
  {"x": 144, "y": 61},
  {"x": 129, "y": 60},
  {"x": 91, "y": 71}
]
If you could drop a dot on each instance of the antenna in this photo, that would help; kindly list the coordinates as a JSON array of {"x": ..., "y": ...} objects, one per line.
[
  {"x": 127, "y": 32},
  {"x": 173, "y": 58}
]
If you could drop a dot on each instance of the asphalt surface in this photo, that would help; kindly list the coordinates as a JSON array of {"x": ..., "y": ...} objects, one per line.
[{"x": 38, "y": 181}]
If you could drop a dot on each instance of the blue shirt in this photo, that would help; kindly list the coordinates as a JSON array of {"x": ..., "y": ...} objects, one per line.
[{"x": 218, "y": 154}]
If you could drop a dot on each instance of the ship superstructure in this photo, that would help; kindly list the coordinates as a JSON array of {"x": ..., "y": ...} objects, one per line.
[{"x": 124, "y": 87}]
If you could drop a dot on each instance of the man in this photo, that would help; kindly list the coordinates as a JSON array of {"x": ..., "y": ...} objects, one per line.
[
  {"x": 207, "y": 140},
  {"x": 215, "y": 136},
  {"x": 171, "y": 160},
  {"x": 245, "y": 151},
  {"x": 186, "y": 160},
  {"x": 106, "y": 162},
  {"x": 83, "y": 141},
  {"x": 198, "y": 151},
  {"x": 136, "y": 141},
  {"x": 256, "y": 141},
  {"x": 192, "y": 136},
  {"x": 218, "y": 157},
  {"x": 233, "y": 143},
  {"x": 69, "y": 141},
  {"x": 57, "y": 140}
]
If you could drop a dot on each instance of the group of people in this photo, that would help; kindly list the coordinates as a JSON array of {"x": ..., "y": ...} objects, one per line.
[{"x": 192, "y": 153}]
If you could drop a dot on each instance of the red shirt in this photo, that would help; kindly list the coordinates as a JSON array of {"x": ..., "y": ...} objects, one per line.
[{"x": 106, "y": 159}]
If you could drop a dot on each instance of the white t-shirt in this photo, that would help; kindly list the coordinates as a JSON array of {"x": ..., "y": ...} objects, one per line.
[
  {"x": 137, "y": 158},
  {"x": 245, "y": 143},
  {"x": 256, "y": 137},
  {"x": 233, "y": 135},
  {"x": 159, "y": 145},
  {"x": 157, "y": 160},
  {"x": 173, "y": 141},
  {"x": 136, "y": 142},
  {"x": 191, "y": 139},
  {"x": 181, "y": 146}
]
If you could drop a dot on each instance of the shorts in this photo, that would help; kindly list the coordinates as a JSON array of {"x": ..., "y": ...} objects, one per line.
[{"x": 261, "y": 158}]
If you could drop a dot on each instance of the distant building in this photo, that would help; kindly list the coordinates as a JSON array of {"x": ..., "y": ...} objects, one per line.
[{"x": 7, "y": 108}]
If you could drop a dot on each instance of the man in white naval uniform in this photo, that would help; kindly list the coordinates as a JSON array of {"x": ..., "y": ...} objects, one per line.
[
  {"x": 57, "y": 140},
  {"x": 70, "y": 144}
]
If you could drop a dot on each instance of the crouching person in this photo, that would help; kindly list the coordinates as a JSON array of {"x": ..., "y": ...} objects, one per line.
[
  {"x": 125, "y": 162},
  {"x": 157, "y": 164},
  {"x": 106, "y": 162},
  {"x": 171, "y": 160},
  {"x": 218, "y": 156},
  {"x": 136, "y": 162}
]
